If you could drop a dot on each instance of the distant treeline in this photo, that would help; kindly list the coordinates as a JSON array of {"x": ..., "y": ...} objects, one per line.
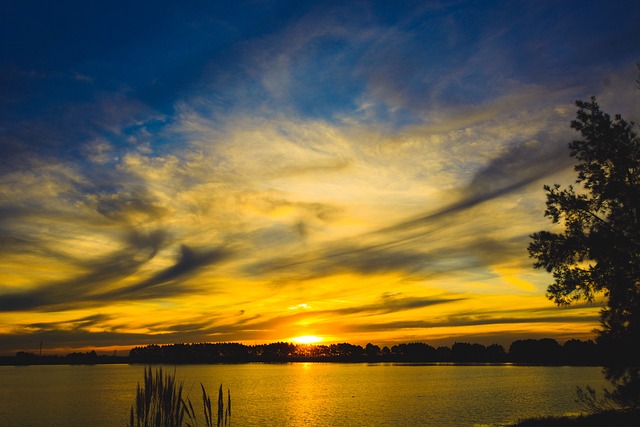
[
  {"x": 530, "y": 351},
  {"x": 542, "y": 351},
  {"x": 88, "y": 358}
]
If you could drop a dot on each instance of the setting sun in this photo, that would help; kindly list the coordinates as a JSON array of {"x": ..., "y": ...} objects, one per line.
[{"x": 307, "y": 339}]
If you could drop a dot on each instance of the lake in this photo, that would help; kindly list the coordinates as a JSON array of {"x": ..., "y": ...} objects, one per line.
[{"x": 303, "y": 394}]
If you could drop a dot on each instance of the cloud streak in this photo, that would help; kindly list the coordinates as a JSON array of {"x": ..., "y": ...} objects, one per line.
[
  {"x": 516, "y": 168},
  {"x": 96, "y": 287}
]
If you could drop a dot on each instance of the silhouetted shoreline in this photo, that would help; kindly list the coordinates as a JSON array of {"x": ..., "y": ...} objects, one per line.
[
  {"x": 608, "y": 418},
  {"x": 521, "y": 352}
]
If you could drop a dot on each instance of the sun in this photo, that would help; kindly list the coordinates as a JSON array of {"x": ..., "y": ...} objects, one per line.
[{"x": 307, "y": 339}]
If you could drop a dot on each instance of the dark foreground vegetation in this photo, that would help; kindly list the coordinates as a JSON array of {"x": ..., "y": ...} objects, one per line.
[
  {"x": 607, "y": 418},
  {"x": 594, "y": 248},
  {"x": 159, "y": 402},
  {"x": 541, "y": 352},
  {"x": 597, "y": 251}
]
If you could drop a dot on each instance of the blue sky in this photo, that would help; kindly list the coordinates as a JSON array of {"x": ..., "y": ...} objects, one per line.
[{"x": 258, "y": 171}]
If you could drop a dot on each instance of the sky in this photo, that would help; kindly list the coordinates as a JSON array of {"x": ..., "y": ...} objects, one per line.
[{"x": 261, "y": 171}]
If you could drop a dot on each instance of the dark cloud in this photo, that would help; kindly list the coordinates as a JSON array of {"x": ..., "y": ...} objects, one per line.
[
  {"x": 121, "y": 206},
  {"x": 341, "y": 257},
  {"x": 74, "y": 333},
  {"x": 386, "y": 304},
  {"x": 460, "y": 321},
  {"x": 518, "y": 166},
  {"x": 389, "y": 303},
  {"x": 85, "y": 333},
  {"x": 422, "y": 244},
  {"x": 72, "y": 324},
  {"x": 81, "y": 339},
  {"x": 428, "y": 253},
  {"x": 102, "y": 273},
  {"x": 164, "y": 283},
  {"x": 95, "y": 287},
  {"x": 47, "y": 203}
]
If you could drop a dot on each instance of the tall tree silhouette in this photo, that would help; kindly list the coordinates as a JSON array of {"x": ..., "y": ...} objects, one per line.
[{"x": 597, "y": 253}]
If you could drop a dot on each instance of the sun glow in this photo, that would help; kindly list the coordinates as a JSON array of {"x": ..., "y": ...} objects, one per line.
[{"x": 307, "y": 339}]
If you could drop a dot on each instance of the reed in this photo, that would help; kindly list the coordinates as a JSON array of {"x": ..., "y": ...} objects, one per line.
[
  {"x": 224, "y": 414},
  {"x": 159, "y": 403}
]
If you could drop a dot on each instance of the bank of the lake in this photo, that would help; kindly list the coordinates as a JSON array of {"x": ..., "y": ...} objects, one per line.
[{"x": 608, "y": 418}]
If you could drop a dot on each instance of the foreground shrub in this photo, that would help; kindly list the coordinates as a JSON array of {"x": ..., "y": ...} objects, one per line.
[{"x": 159, "y": 403}]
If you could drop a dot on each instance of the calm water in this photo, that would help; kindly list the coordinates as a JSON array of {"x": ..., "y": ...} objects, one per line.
[{"x": 303, "y": 394}]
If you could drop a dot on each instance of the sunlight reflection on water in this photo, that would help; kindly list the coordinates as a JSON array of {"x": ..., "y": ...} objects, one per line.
[{"x": 303, "y": 394}]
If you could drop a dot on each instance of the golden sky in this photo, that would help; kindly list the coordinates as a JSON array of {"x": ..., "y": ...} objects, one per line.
[{"x": 260, "y": 175}]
